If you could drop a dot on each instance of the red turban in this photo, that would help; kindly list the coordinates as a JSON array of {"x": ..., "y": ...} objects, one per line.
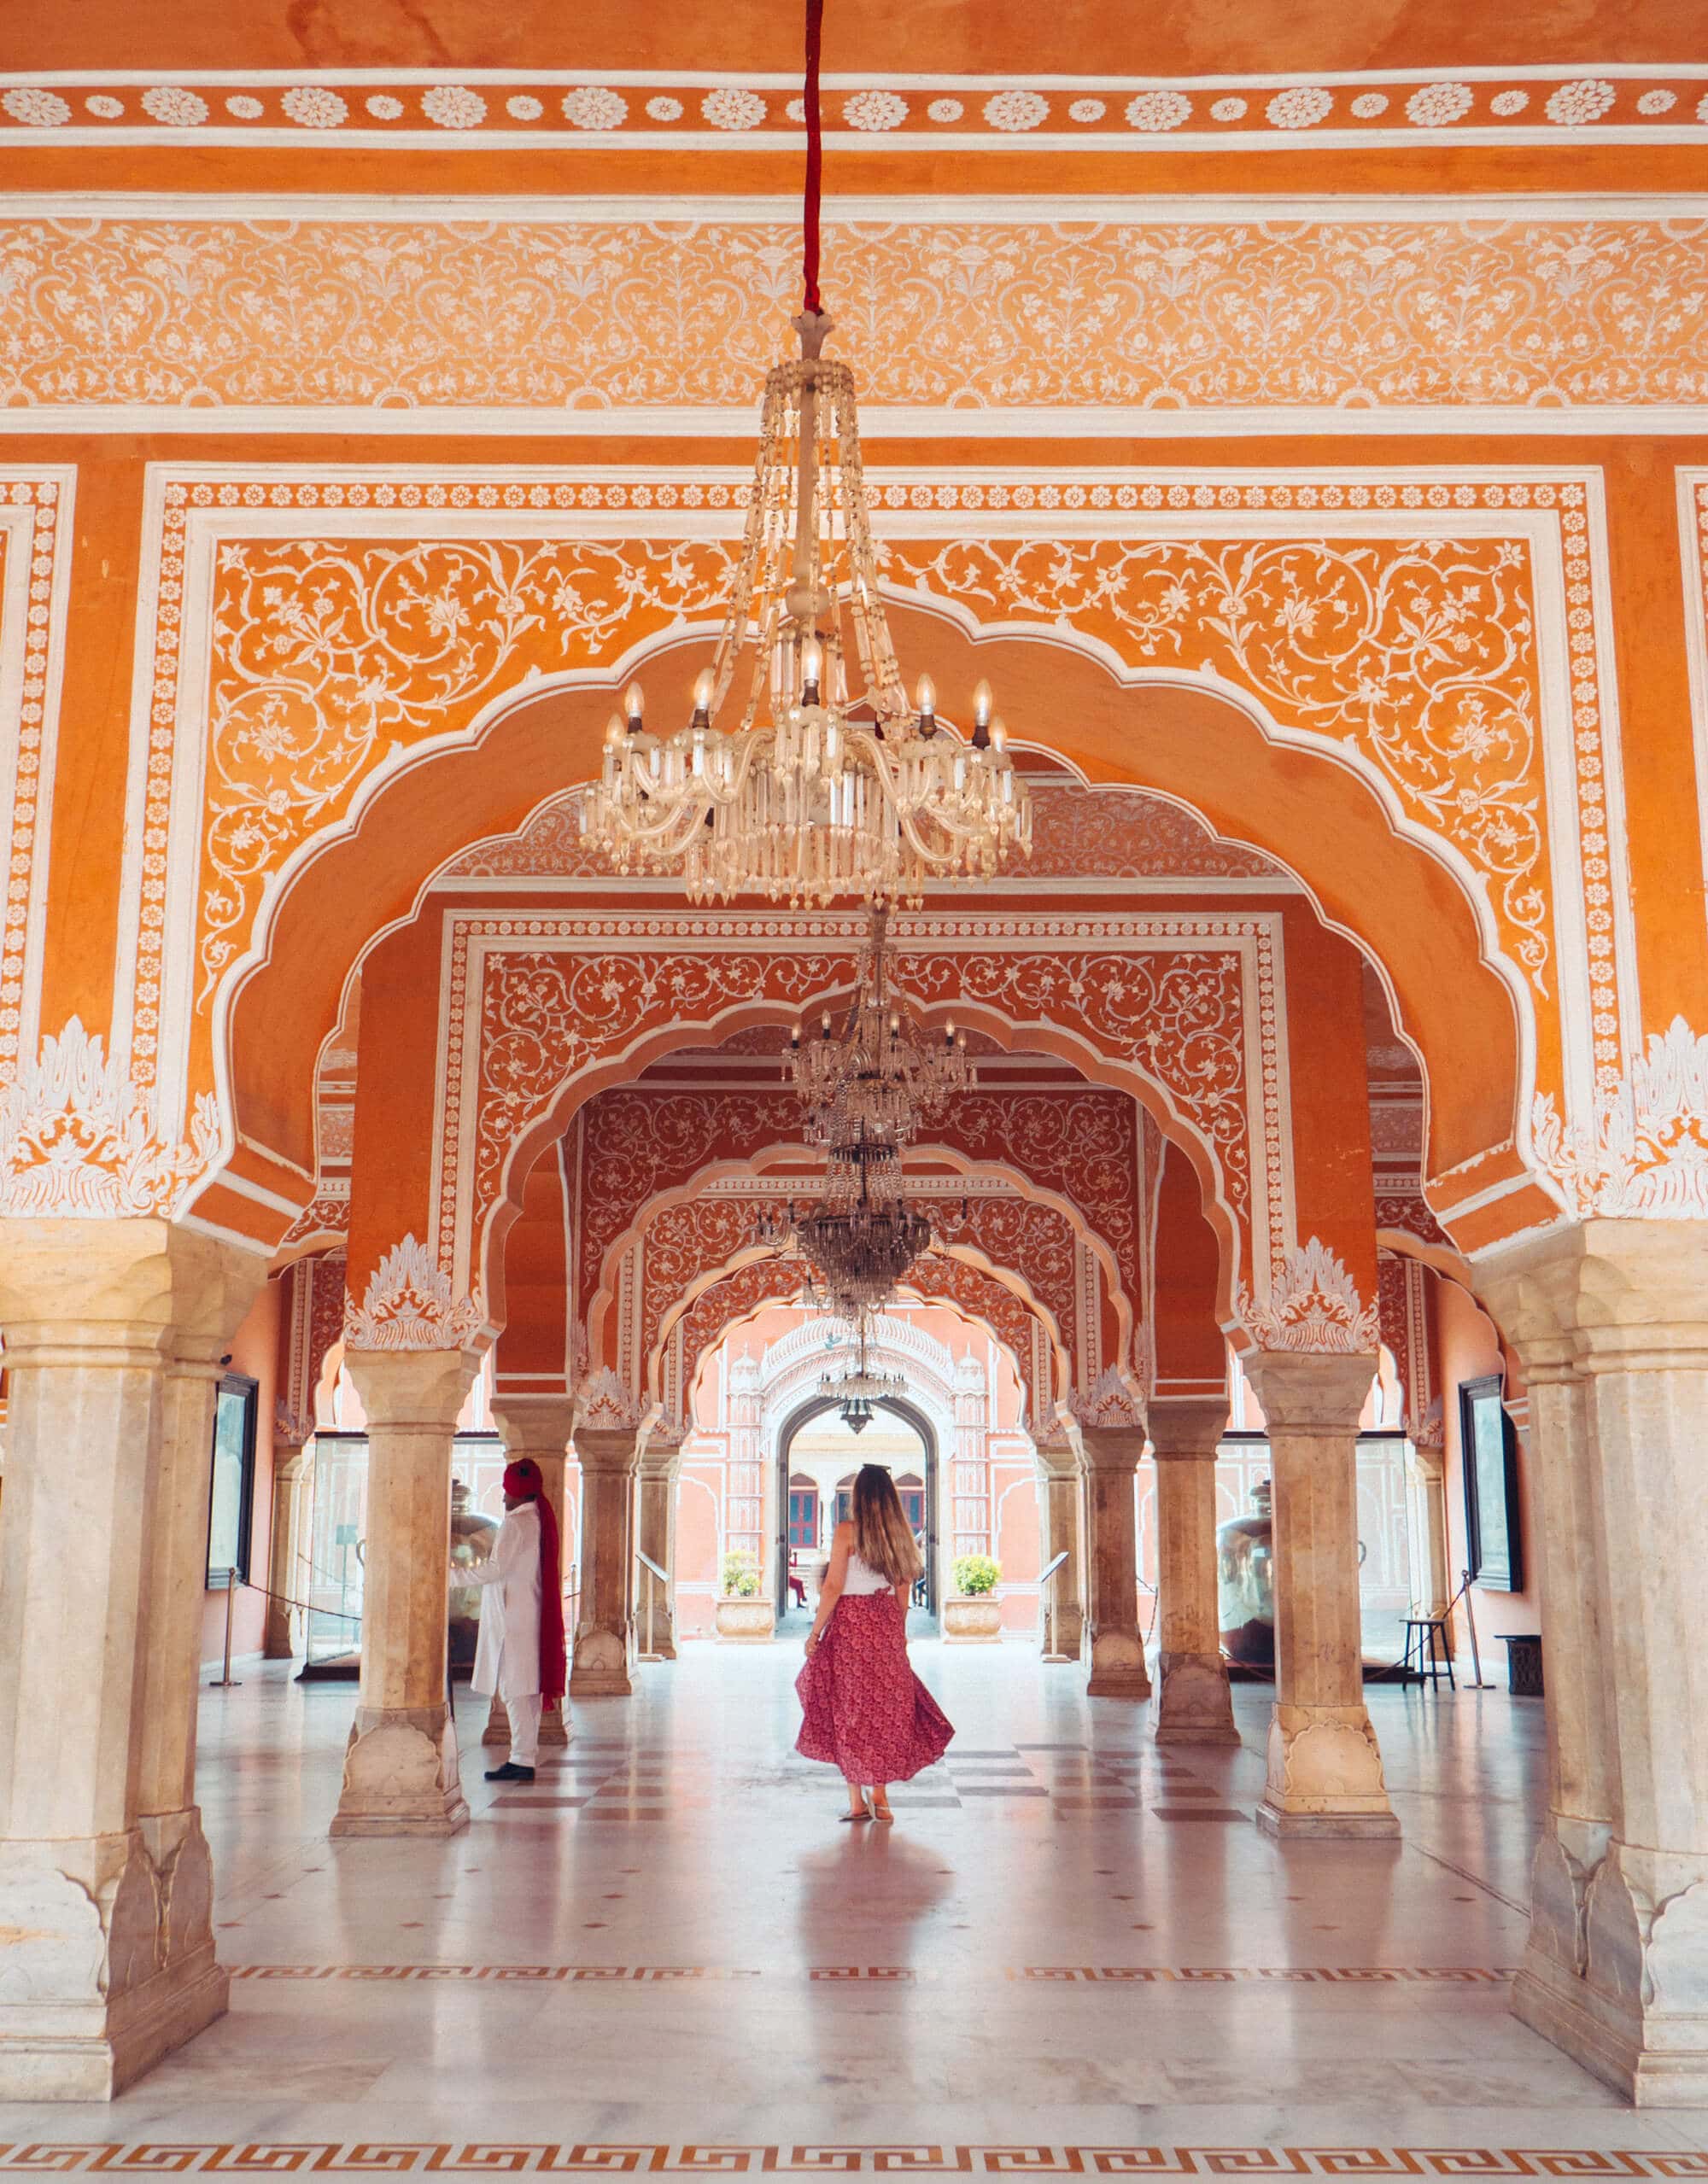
[{"x": 522, "y": 1482}]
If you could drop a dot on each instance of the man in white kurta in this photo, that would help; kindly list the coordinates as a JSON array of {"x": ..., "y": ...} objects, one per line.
[{"x": 508, "y": 1656}]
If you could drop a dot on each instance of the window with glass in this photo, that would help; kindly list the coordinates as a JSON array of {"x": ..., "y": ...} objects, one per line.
[{"x": 231, "y": 1491}]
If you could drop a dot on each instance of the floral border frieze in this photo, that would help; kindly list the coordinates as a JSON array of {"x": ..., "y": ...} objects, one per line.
[
  {"x": 36, "y": 508},
  {"x": 669, "y": 314},
  {"x": 411, "y": 106}
]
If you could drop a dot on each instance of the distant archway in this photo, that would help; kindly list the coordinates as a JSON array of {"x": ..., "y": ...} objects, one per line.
[{"x": 912, "y": 1417}]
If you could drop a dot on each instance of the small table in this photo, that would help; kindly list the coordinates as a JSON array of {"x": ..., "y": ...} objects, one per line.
[
  {"x": 1523, "y": 1663},
  {"x": 1426, "y": 1637}
]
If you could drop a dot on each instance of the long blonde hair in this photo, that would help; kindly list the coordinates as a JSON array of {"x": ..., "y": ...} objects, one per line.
[{"x": 882, "y": 1539}]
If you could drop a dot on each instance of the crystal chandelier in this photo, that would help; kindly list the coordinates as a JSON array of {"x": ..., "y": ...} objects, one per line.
[
  {"x": 857, "y": 1393},
  {"x": 871, "y": 1079},
  {"x": 860, "y": 1236},
  {"x": 823, "y": 782}
]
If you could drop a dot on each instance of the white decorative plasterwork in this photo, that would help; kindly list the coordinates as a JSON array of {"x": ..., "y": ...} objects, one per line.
[
  {"x": 412, "y": 109},
  {"x": 1645, "y": 1155},
  {"x": 409, "y": 1304},
  {"x": 1531, "y": 534},
  {"x": 1313, "y": 1304},
  {"x": 79, "y": 1138},
  {"x": 1110, "y": 1404},
  {"x": 289, "y": 1425},
  {"x": 605, "y": 1404},
  {"x": 35, "y": 584}
]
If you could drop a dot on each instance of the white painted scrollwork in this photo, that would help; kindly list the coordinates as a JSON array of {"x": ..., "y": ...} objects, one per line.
[
  {"x": 79, "y": 1139},
  {"x": 1645, "y": 1156},
  {"x": 409, "y": 1304},
  {"x": 1110, "y": 1404},
  {"x": 1313, "y": 1304},
  {"x": 605, "y": 1404}
]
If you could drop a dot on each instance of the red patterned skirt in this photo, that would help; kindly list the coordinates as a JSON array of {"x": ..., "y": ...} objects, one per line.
[{"x": 865, "y": 1710}]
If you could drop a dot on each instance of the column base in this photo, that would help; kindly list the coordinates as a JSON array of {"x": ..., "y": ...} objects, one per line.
[
  {"x": 113, "y": 1966},
  {"x": 1610, "y": 2039},
  {"x": 601, "y": 1667},
  {"x": 1194, "y": 1704},
  {"x": 1062, "y": 1634},
  {"x": 1118, "y": 1669},
  {"x": 401, "y": 1775},
  {"x": 1326, "y": 1827},
  {"x": 93, "y": 2052},
  {"x": 1324, "y": 1775},
  {"x": 1631, "y": 2004}
]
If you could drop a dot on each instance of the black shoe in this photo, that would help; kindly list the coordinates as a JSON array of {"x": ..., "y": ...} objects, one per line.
[{"x": 509, "y": 1772}]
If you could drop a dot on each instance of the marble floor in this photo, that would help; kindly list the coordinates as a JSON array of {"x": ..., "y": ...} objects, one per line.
[{"x": 1072, "y": 1954}]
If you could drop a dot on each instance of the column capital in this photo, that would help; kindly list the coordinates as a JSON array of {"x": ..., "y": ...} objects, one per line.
[
  {"x": 134, "y": 1285},
  {"x": 1058, "y": 1459},
  {"x": 608, "y": 1448},
  {"x": 1602, "y": 1296},
  {"x": 1189, "y": 1428},
  {"x": 1310, "y": 1391},
  {"x": 660, "y": 1460},
  {"x": 533, "y": 1425},
  {"x": 413, "y": 1388},
  {"x": 1113, "y": 1448}
]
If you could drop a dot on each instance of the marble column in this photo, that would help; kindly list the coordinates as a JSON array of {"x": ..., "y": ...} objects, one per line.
[
  {"x": 292, "y": 1470},
  {"x": 1112, "y": 1459},
  {"x": 536, "y": 1426},
  {"x": 604, "y": 1635},
  {"x": 1609, "y": 1323},
  {"x": 1194, "y": 1705},
  {"x": 400, "y": 1765},
  {"x": 1061, "y": 1628},
  {"x": 1325, "y": 1764},
  {"x": 660, "y": 1474},
  {"x": 114, "y": 1331}
]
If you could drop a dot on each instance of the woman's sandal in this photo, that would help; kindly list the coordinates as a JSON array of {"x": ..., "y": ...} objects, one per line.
[
  {"x": 844, "y": 1819},
  {"x": 879, "y": 1811}
]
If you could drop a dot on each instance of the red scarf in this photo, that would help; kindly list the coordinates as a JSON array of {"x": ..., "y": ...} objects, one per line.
[{"x": 523, "y": 1480}]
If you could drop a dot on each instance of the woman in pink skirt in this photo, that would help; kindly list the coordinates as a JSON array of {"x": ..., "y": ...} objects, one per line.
[{"x": 865, "y": 1710}]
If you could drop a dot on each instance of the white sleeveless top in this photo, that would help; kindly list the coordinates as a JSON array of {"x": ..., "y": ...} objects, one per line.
[{"x": 863, "y": 1578}]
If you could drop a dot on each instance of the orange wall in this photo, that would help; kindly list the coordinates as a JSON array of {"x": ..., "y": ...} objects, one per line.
[
  {"x": 1469, "y": 1348},
  {"x": 255, "y": 1351}
]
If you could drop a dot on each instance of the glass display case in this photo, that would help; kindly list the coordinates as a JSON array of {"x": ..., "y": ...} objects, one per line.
[{"x": 338, "y": 1541}]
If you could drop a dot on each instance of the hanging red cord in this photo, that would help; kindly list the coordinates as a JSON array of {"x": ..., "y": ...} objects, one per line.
[{"x": 815, "y": 158}]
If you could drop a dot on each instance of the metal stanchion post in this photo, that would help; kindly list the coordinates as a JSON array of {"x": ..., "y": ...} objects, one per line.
[{"x": 227, "y": 1681}]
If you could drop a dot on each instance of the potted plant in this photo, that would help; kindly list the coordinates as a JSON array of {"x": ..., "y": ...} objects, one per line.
[
  {"x": 972, "y": 1615},
  {"x": 742, "y": 1612}
]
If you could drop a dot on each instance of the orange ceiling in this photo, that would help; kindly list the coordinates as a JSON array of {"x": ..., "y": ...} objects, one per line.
[{"x": 988, "y": 37}]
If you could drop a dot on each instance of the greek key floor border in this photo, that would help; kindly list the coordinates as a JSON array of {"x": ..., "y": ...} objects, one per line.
[
  {"x": 922, "y": 2158},
  {"x": 1114, "y": 1974},
  {"x": 1281, "y": 1974}
]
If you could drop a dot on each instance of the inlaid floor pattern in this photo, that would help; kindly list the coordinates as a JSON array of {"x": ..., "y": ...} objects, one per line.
[
  {"x": 1074, "y": 1952},
  {"x": 604, "y": 1779}
]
